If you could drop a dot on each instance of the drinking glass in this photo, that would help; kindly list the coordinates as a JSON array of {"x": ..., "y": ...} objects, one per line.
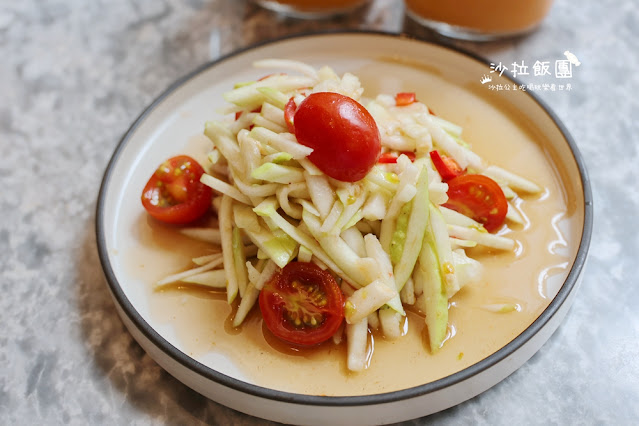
[
  {"x": 311, "y": 8},
  {"x": 479, "y": 20}
]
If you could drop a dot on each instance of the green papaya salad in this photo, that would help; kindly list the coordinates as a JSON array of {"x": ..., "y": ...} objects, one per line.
[{"x": 336, "y": 213}]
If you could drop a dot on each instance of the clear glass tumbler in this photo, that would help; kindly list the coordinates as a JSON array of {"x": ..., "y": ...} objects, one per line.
[
  {"x": 479, "y": 20},
  {"x": 311, "y": 8}
]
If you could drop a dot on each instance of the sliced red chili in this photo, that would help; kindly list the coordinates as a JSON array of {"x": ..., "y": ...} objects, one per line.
[
  {"x": 405, "y": 98},
  {"x": 446, "y": 166},
  {"x": 289, "y": 113}
]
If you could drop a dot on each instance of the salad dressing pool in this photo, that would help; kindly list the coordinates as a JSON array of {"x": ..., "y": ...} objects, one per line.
[{"x": 524, "y": 281}]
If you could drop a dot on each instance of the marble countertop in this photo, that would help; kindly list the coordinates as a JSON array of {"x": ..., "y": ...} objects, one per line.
[{"x": 75, "y": 74}]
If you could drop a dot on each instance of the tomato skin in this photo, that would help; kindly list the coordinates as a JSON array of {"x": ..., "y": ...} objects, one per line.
[
  {"x": 344, "y": 136},
  {"x": 446, "y": 167},
  {"x": 174, "y": 193},
  {"x": 387, "y": 158},
  {"x": 391, "y": 157},
  {"x": 289, "y": 113},
  {"x": 405, "y": 98},
  {"x": 238, "y": 114},
  {"x": 478, "y": 197},
  {"x": 302, "y": 290}
]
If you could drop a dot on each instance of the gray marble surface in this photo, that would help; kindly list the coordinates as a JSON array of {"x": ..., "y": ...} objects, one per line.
[{"x": 74, "y": 74}]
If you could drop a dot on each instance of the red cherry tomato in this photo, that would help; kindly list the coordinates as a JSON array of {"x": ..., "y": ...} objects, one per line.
[
  {"x": 344, "y": 137},
  {"x": 302, "y": 304},
  {"x": 446, "y": 166},
  {"x": 405, "y": 98},
  {"x": 478, "y": 197},
  {"x": 391, "y": 157},
  {"x": 174, "y": 193}
]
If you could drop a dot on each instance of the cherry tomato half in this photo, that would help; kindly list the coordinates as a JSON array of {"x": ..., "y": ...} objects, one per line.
[
  {"x": 302, "y": 304},
  {"x": 174, "y": 193},
  {"x": 478, "y": 197},
  {"x": 446, "y": 166},
  {"x": 344, "y": 137}
]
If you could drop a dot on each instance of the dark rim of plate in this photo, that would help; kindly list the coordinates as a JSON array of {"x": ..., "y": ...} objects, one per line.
[{"x": 316, "y": 400}]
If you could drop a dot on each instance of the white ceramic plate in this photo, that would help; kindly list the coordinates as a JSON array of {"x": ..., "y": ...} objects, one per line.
[{"x": 165, "y": 127}]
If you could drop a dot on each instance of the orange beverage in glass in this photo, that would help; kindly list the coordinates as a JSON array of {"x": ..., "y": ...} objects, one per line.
[{"x": 479, "y": 19}]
